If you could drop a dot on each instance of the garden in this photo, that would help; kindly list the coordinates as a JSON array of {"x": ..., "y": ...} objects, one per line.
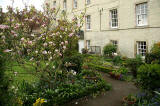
[{"x": 40, "y": 64}]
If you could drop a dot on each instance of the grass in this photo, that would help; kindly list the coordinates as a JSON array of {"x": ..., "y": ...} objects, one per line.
[{"x": 18, "y": 73}]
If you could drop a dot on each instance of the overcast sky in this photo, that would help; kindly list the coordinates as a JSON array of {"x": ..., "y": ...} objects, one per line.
[{"x": 18, "y": 3}]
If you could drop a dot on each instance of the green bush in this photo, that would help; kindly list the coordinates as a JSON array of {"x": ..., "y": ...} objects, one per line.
[
  {"x": 117, "y": 60},
  {"x": 84, "y": 51},
  {"x": 149, "y": 76},
  {"x": 154, "y": 55},
  {"x": 76, "y": 61},
  {"x": 4, "y": 82},
  {"x": 63, "y": 92},
  {"x": 109, "y": 49},
  {"x": 100, "y": 68},
  {"x": 134, "y": 63}
]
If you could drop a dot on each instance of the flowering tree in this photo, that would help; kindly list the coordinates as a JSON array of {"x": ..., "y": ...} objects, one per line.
[{"x": 47, "y": 49}]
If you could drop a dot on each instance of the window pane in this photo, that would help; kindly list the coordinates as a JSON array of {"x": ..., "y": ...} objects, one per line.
[
  {"x": 114, "y": 18},
  {"x": 141, "y": 12}
]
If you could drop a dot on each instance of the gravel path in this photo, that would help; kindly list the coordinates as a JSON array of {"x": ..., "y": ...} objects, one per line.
[{"x": 112, "y": 97}]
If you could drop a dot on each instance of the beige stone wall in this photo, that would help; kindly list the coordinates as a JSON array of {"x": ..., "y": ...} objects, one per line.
[{"x": 127, "y": 32}]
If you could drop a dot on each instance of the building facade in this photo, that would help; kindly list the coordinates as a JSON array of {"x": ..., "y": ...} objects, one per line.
[{"x": 132, "y": 25}]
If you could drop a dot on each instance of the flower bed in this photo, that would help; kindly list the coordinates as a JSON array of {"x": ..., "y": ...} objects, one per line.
[{"x": 84, "y": 84}]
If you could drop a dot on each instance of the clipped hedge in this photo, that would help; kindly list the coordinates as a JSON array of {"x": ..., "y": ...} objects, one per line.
[{"x": 100, "y": 68}]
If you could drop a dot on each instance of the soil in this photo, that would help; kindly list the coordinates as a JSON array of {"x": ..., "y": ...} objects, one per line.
[{"x": 110, "y": 98}]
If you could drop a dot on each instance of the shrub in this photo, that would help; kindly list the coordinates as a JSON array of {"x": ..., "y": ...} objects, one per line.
[
  {"x": 149, "y": 76},
  {"x": 4, "y": 82},
  {"x": 84, "y": 51},
  {"x": 100, "y": 68},
  {"x": 109, "y": 49},
  {"x": 74, "y": 62},
  {"x": 134, "y": 64},
  {"x": 149, "y": 58},
  {"x": 154, "y": 55},
  {"x": 117, "y": 60}
]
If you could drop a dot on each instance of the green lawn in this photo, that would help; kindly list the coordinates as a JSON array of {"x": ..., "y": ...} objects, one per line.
[{"x": 18, "y": 73}]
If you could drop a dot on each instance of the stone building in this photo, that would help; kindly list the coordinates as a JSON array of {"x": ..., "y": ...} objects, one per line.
[{"x": 132, "y": 25}]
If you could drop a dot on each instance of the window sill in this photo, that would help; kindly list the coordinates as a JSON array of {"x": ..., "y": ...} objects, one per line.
[
  {"x": 114, "y": 28},
  {"x": 142, "y": 26}
]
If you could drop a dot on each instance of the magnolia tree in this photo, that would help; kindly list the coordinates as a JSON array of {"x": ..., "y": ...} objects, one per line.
[{"x": 57, "y": 38}]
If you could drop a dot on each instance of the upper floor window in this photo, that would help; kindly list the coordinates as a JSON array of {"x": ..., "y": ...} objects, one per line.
[
  {"x": 141, "y": 48},
  {"x": 114, "y": 18},
  {"x": 88, "y": 22},
  {"x": 88, "y": 1},
  {"x": 141, "y": 14},
  {"x": 74, "y": 3},
  {"x": 54, "y": 3},
  {"x": 65, "y": 4}
]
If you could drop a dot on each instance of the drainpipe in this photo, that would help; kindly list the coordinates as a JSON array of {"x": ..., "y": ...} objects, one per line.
[{"x": 100, "y": 15}]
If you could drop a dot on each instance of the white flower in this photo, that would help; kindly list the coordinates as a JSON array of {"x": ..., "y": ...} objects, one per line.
[
  {"x": 56, "y": 50},
  {"x": 15, "y": 73},
  {"x": 45, "y": 44},
  {"x": 22, "y": 39},
  {"x": 44, "y": 52},
  {"x": 50, "y": 58},
  {"x": 76, "y": 103},
  {"x": 3, "y": 37},
  {"x": 53, "y": 67},
  {"x": 36, "y": 51},
  {"x": 47, "y": 64},
  {"x": 64, "y": 47},
  {"x": 115, "y": 54},
  {"x": 31, "y": 59},
  {"x": 50, "y": 42},
  {"x": 32, "y": 35},
  {"x": 74, "y": 73}
]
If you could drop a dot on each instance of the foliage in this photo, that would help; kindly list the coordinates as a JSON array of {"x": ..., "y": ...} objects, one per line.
[
  {"x": 4, "y": 81},
  {"x": 148, "y": 98},
  {"x": 84, "y": 51},
  {"x": 94, "y": 59},
  {"x": 117, "y": 60},
  {"x": 100, "y": 68},
  {"x": 134, "y": 63},
  {"x": 109, "y": 49},
  {"x": 154, "y": 55},
  {"x": 119, "y": 73},
  {"x": 148, "y": 76},
  {"x": 130, "y": 97},
  {"x": 73, "y": 62},
  {"x": 62, "y": 92}
]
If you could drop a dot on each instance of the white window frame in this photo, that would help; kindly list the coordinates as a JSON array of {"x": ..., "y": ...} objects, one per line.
[
  {"x": 88, "y": 22},
  {"x": 88, "y": 2},
  {"x": 142, "y": 14},
  {"x": 75, "y": 4},
  {"x": 141, "y": 48},
  {"x": 64, "y": 4},
  {"x": 114, "y": 17}
]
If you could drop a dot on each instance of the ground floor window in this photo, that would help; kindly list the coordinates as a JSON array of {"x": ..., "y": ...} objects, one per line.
[
  {"x": 141, "y": 48},
  {"x": 114, "y": 42}
]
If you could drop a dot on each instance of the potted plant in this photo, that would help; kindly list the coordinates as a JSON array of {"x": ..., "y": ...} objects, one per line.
[{"x": 129, "y": 100}]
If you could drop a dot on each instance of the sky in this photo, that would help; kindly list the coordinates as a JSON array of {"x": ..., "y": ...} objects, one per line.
[{"x": 18, "y": 3}]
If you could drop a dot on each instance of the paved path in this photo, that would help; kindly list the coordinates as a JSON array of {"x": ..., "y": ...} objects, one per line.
[{"x": 112, "y": 97}]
